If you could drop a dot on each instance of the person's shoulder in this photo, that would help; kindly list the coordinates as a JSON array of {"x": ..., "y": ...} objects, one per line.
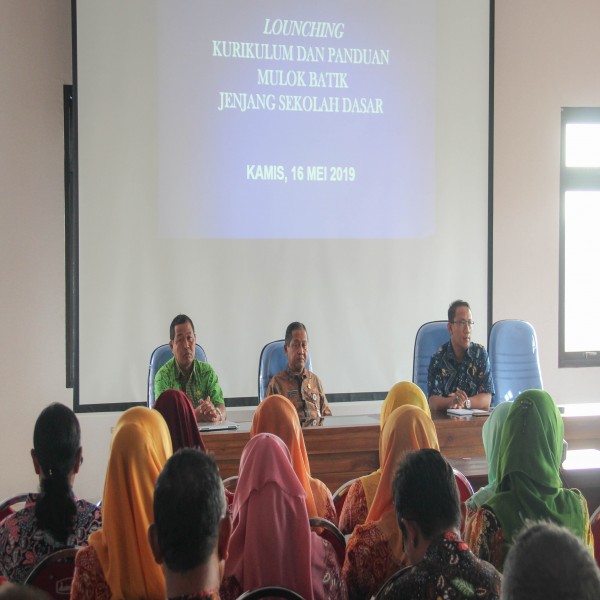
[
  {"x": 168, "y": 366},
  {"x": 312, "y": 375},
  {"x": 441, "y": 351},
  {"x": 478, "y": 349}
]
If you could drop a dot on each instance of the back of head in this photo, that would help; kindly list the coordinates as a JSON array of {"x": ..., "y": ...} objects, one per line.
[
  {"x": 189, "y": 503},
  {"x": 425, "y": 492},
  {"x": 179, "y": 320},
  {"x": 453, "y": 308},
  {"x": 295, "y": 326},
  {"x": 548, "y": 562},
  {"x": 56, "y": 441}
]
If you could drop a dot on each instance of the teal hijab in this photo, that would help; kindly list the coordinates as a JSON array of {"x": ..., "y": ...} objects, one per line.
[
  {"x": 491, "y": 434},
  {"x": 528, "y": 484}
]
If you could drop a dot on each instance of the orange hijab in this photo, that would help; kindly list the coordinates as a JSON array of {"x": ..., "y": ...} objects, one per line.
[
  {"x": 407, "y": 428},
  {"x": 403, "y": 393},
  {"x": 140, "y": 447},
  {"x": 277, "y": 415}
]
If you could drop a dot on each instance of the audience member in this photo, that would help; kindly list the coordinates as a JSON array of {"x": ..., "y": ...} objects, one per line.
[
  {"x": 547, "y": 562},
  {"x": 428, "y": 512},
  {"x": 302, "y": 387},
  {"x": 271, "y": 542},
  {"x": 277, "y": 415},
  {"x": 119, "y": 563},
  {"x": 375, "y": 551},
  {"x": 361, "y": 493},
  {"x": 190, "y": 533},
  {"x": 54, "y": 518},
  {"x": 185, "y": 372},
  {"x": 460, "y": 375},
  {"x": 178, "y": 412},
  {"x": 491, "y": 434},
  {"x": 528, "y": 484}
]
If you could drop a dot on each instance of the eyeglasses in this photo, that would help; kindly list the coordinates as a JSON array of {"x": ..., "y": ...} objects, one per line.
[{"x": 463, "y": 323}]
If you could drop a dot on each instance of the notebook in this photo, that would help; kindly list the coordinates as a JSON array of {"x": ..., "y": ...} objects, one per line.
[
  {"x": 203, "y": 427},
  {"x": 468, "y": 412}
]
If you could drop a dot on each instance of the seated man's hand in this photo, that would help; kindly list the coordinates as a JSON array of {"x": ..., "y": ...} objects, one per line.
[{"x": 206, "y": 412}]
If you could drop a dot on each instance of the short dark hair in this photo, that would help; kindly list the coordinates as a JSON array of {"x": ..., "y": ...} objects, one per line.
[
  {"x": 425, "y": 492},
  {"x": 547, "y": 561},
  {"x": 56, "y": 441},
  {"x": 189, "y": 503},
  {"x": 295, "y": 326},
  {"x": 452, "y": 309},
  {"x": 179, "y": 320}
]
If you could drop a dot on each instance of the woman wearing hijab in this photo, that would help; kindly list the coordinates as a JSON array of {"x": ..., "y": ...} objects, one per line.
[
  {"x": 277, "y": 415},
  {"x": 53, "y": 518},
  {"x": 528, "y": 485},
  {"x": 491, "y": 434},
  {"x": 178, "y": 412},
  {"x": 375, "y": 551},
  {"x": 119, "y": 563},
  {"x": 271, "y": 541},
  {"x": 361, "y": 493}
]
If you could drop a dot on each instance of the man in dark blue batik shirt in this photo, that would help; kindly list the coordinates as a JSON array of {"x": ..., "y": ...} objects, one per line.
[{"x": 460, "y": 375}]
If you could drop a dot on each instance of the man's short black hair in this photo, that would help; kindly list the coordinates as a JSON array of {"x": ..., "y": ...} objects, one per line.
[
  {"x": 295, "y": 326},
  {"x": 179, "y": 320},
  {"x": 452, "y": 309},
  {"x": 548, "y": 562},
  {"x": 425, "y": 492},
  {"x": 189, "y": 503}
]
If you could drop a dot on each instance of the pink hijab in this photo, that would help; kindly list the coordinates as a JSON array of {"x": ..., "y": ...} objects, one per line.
[
  {"x": 271, "y": 541},
  {"x": 178, "y": 412}
]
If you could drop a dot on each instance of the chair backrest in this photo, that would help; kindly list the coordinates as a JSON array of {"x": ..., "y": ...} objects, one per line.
[
  {"x": 271, "y": 591},
  {"x": 330, "y": 532},
  {"x": 391, "y": 579},
  {"x": 595, "y": 524},
  {"x": 158, "y": 358},
  {"x": 339, "y": 498},
  {"x": 54, "y": 574},
  {"x": 272, "y": 360},
  {"x": 230, "y": 483},
  {"x": 465, "y": 489},
  {"x": 7, "y": 506},
  {"x": 430, "y": 337},
  {"x": 514, "y": 359}
]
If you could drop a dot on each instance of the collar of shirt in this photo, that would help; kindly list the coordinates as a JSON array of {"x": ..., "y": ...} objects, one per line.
[
  {"x": 302, "y": 375},
  {"x": 450, "y": 352},
  {"x": 180, "y": 375}
]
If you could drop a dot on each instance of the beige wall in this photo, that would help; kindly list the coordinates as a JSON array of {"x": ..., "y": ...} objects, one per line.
[
  {"x": 540, "y": 45},
  {"x": 545, "y": 56},
  {"x": 35, "y": 63}
]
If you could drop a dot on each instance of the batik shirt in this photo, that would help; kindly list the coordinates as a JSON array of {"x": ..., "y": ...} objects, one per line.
[
  {"x": 473, "y": 375},
  {"x": 23, "y": 544},
  {"x": 448, "y": 570},
  {"x": 201, "y": 383},
  {"x": 304, "y": 391}
]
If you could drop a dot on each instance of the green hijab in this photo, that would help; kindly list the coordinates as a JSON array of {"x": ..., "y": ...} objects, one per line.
[
  {"x": 529, "y": 485},
  {"x": 491, "y": 434}
]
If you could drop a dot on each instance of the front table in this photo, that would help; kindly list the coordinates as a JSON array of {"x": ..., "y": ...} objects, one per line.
[{"x": 345, "y": 447}]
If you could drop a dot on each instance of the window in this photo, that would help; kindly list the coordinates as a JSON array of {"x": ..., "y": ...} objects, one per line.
[{"x": 579, "y": 330}]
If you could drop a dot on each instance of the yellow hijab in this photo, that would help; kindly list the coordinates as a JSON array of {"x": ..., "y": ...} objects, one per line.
[
  {"x": 141, "y": 445},
  {"x": 407, "y": 428},
  {"x": 403, "y": 393},
  {"x": 278, "y": 416}
]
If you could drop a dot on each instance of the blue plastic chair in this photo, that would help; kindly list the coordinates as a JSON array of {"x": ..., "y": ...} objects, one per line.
[
  {"x": 272, "y": 360},
  {"x": 430, "y": 337},
  {"x": 514, "y": 358},
  {"x": 159, "y": 357}
]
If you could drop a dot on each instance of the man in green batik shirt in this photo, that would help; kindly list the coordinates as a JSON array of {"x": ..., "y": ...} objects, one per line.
[{"x": 186, "y": 373}]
